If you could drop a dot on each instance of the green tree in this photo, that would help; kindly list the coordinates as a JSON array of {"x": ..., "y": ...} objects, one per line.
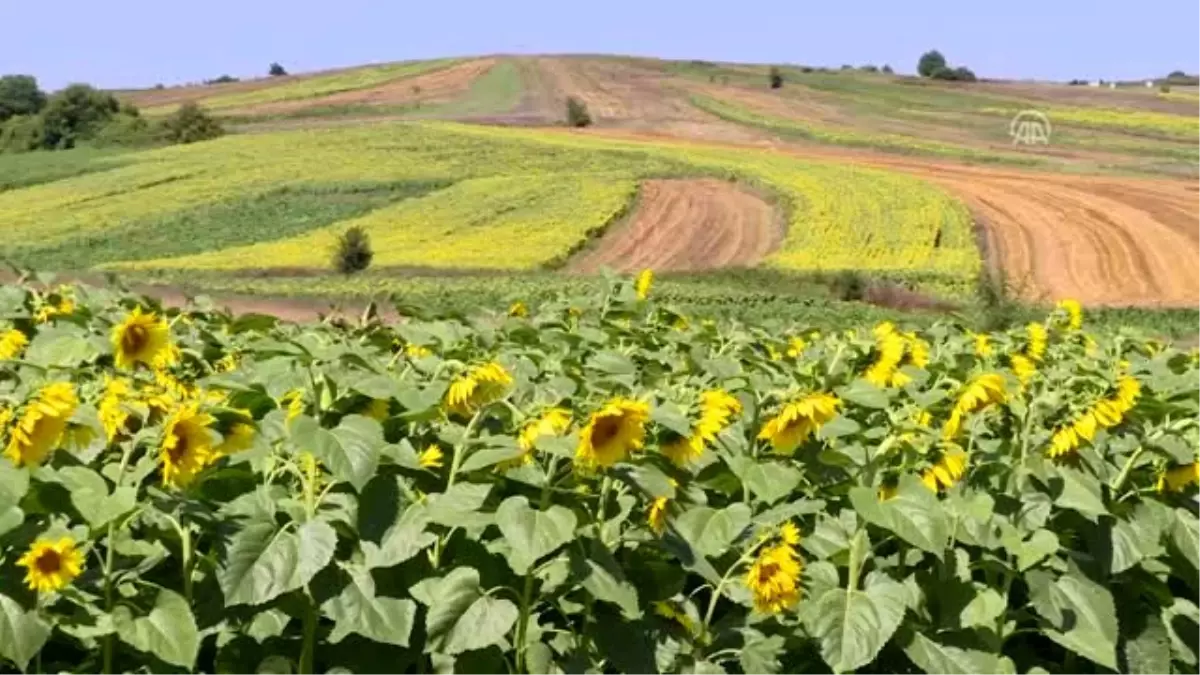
[
  {"x": 190, "y": 123},
  {"x": 352, "y": 251},
  {"x": 276, "y": 70},
  {"x": 930, "y": 62},
  {"x": 22, "y": 133},
  {"x": 577, "y": 113},
  {"x": 776, "y": 77},
  {"x": 19, "y": 95},
  {"x": 75, "y": 113}
]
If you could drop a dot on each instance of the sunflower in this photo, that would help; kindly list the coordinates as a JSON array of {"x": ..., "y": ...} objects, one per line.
[
  {"x": 889, "y": 346},
  {"x": 642, "y": 285},
  {"x": 553, "y": 422},
  {"x": 294, "y": 401},
  {"x": 1023, "y": 367},
  {"x": 40, "y": 429},
  {"x": 51, "y": 565},
  {"x": 613, "y": 432},
  {"x": 12, "y": 342},
  {"x": 798, "y": 420},
  {"x": 774, "y": 577},
  {"x": 888, "y": 489},
  {"x": 377, "y": 409},
  {"x": 982, "y": 392},
  {"x": 1103, "y": 414},
  {"x": 717, "y": 408},
  {"x": 1074, "y": 313},
  {"x": 431, "y": 457},
  {"x": 413, "y": 351},
  {"x": 111, "y": 408},
  {"x": 139, "y": 338},
  {"x": 796, "y": 346},
  {"x": 478, "y": 387},
  {"x": 65, "y": 305},
  {"x": 947, "y": 470},
  {"x": 683, "y": 449},
  {"x": 239, "y": 437},
  {"x": 656, "y": 516},
  {"x": 227, "y": 363},
  {"x": 1176, "y": 478},
  {"x": 983, "y": 344},
  {"x": 1035, "y": 347},
  {"x": 187, "y": 445},
  {"x": 518, "y": 309}
]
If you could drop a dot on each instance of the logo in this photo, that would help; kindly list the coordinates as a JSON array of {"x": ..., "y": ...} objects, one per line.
[{"x": 1030, "y": 127}]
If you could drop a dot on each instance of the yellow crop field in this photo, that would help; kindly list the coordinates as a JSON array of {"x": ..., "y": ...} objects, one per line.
[
  {"x": 517, "y": 199},
  {"x": 324, "y": 85},
  {"x": 1135, "y": 121}
]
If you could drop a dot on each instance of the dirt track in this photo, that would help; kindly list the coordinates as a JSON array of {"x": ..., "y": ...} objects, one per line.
[{"x": 687, "y": 225}]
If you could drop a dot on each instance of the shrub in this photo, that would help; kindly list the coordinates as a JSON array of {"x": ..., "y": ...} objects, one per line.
[
  {"x": 276, "y": 70},
  {"x": 1166, "y": 88},
  {"x": 75, "y": 113},
  {"x": 887, "y": 69},
  {"x": 190, "y": 123},
  {"x": 869, "y": 68},
  {"x": 577, "y": 113},
  {"x": 930, "y": 62},
  {"x": 352, "y": 251},
  {"x": 223, "y": 79},
  {"x": 964, "y": 74},
  {"x": 849, "y": 285},
  {"x": 126, "y": 130},
  {"x": 19, "y": 95},
  {"x": 22, "y": 133},
  {"x": 775, "y": 77},
  {"x": 996, "y": 295},
  {"x": 159, "y": 86},
  {"x": 806, "y": 69}
]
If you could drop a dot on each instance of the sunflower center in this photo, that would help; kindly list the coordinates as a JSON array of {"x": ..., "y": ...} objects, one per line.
[
  {"x": 133, "y": 339},
  {"x": 605, "y": 429},
  {"x": 179, "y": 450},
  {"x": 49, "y": 562}
]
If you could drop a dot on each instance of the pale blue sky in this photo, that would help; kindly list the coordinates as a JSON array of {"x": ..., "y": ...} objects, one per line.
[{"x": 141, "y": 42}]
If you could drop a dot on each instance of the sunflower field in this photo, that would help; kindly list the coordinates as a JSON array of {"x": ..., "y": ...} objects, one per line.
[{"x": 594, "y": 483}]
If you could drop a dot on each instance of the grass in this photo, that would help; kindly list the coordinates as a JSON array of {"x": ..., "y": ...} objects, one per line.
[
  {"x": 19, "y": 170},
  {"x": 278, "y": 213},
  {"x": 496, "y": 92}
]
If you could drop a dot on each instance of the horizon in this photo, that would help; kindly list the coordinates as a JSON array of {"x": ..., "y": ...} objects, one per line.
[{"x": 1022, "y": 40}]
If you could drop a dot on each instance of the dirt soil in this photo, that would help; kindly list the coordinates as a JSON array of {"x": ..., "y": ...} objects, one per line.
[{"x": 686, "y": 225}]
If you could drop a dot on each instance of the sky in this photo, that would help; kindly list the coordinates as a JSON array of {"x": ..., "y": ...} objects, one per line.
[{"x": 138, "y": 43}]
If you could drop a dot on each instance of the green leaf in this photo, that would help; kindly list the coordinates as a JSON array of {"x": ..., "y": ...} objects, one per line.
[
  {"x": 460, "y": 617},
  {"x": 351, "y": 451},
  {"x": 914, "y": 514},
  {"x": 376, "y": 386},
  {"x": 457, "y": 506},
  {"x": 11, "y": 519},
  {"x": 1126, "y": 546},
  {"x": 600, "y": 575},
  {"x": 852, "y": 626},
  {"x": 531, "y": 533},
  {"x": 265, "y": 563},
  {"x": 760, "y": 653},
  {"x": 90, "y": 497},
  {"x": 1150, "y": 650},
  {"x": 983, "y": 610},
  {"x": 403, "y": 540},
  {"x": 1184, "y": 535},
  {"x": 22, "y": 634},
  {"x": 838, "y": 427},
  {"x": 267, "y": 624},
  {"x": 14, "y": 483},
  {"x": 863, "y": 393},
  {"x": 168, "y": 632},
  {"x": 1080, "y": 492},
  {"x": 1041, "y": 544},
  {"x": 358, "y": 610},
  {"x": 1081, "y": 615},
  {"x": 711, "y": 531},
  {"x": 935, "y": 657},
  {"x": 669, "y": 415},
  {"x": 61, "y": 347},
  {"x": 612, "y": 363},
  {"x": 832, "y": 535},
  {"x": 486, "y": 457},
  {"x": 768, "y": 481}
]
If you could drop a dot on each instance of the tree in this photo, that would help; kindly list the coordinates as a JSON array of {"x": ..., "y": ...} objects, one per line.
[
  {"x": 352, "y": 251},
  {"x": 276, "y": 70},
  {"x": 76, "y": 112},
  {"x": 776, "y": 77},
  {"x": 886, "y": 69},
  {"x": 577, "y": 113},
  {"x": 19, "y": 95},
  {"x": 964, "y": 74},
  {"x": 22, "y": 133},
  {"x": 190, "y": 123},
  {"x": 930, "y": 62}
]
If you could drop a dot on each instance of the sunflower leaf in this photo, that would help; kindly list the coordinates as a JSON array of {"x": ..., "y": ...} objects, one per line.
[{"x": 22, "y": 634}]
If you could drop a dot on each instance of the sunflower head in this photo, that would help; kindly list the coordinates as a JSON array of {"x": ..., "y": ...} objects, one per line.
[
  {"x": 140, "y": 338},
  {"x": 50, "y": 565},
  {"x": 612, "y": 433},
  {"x": 187, "y": 445},
  {"x": 798, "y": 420},
  {"x": 431, "y": 457},
  {"x": 774, "y": 578},
  {"x": 642, "y": 285},
  {"x": 518, "y": 309},
  {"x": 12, "y": 343},
  {"x": 40, "y": 429},
  {"x": 1073, "y": 313},
  {"x": 1035, "y": 346},
  {"x": 477, "y": 387}
]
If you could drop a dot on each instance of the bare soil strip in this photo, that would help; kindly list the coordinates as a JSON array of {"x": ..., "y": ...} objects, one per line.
[{"x": 686, "y": 225}]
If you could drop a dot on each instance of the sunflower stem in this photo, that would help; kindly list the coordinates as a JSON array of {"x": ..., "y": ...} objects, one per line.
[
  {"x": 527, "y": 591},
  {"x": 455, "y": 462},
  {"x": 1119, "y": 481},
  {"x": 716, "y": 594},
  {"x": 310, "y": 635},
  {"x": 108, "y": 599}
]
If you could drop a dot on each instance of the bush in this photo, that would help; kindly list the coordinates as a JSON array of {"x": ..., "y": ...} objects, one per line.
[
  {"x": 577, "y": 113},
  {"x": 22, "y": 133},
  {"x": 276, "y": 70},
  {"x": 126, "y": 130},
  {"x": 189, "y": 124},
  {"x": 887, "y": 69},
  {"x": 75, "y": 113},
  {"x": 223, "y": 79},
  {"x": 930, "y": 62},
  {"x": 352, "y": 252},
  {"x": 775, "y": 77},
  {"x": 964, "y": 74},
  {"x": 19, "y": 95},
  {"x": 849, "y": 285},
  {"x": 869, "y": 68},
  {"x": 806, "y": 69},
  {"x": 1166, "y": 88}
]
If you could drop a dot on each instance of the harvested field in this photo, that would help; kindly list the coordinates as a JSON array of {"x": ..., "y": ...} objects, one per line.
[
  {"x": 687, "y": 225},
  {"x": 617, "y": 93},
  {"x": 434, "y": 87}
]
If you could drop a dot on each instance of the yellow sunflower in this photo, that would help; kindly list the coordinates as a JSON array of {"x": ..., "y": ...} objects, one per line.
[
  {"x": 1176, "y": 478},
  {"x": 518, "y": 309},
  {"x": 774, "y": 577},
  {"x": 981, "y": 393},
  {"x": 377, "y": 409},
  {"x": 140, "y": 338},
  {"x": 113, "y": 415},
  {"x": 683, "y": 449},
  {"x": 51, "y": 565},
  {"x": 431, "y": 457},
  {"x": 889, "y": 346},
  {"x": 1023, "y": 367},
  {"x": 12, "y": 343},
  {"x": 239, "y": 437},
  {"x": 983, "y": 344},
  {"x": 798, "y": 420},
  {"x": 1035, "y": 347},
  {"x": 612, "y": 433},
  {"x": 796, "y": 346},
  {"x": 416, "y": 351},
  {"x": 40, "y": 429},
  {"x": 553, "y": 422},
  {"x": 187, "y": 445},
  {"x": 478, "y": 387},
  {"x": 642, "y": 285},
  {"x": 656, "y": 516},
  {"x": 65, "y": 305},
  {"x": 1074, "y": 313},
  {"x": 947, "y": 470}
]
